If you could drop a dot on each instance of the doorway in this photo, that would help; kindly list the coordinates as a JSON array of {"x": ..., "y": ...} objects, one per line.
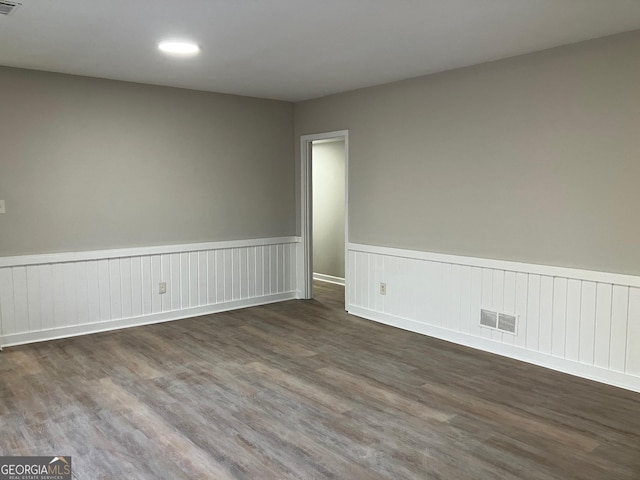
[{"x": 324, "y": 210}]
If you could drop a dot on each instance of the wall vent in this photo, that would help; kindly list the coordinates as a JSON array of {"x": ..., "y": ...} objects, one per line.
[
  {"x": 7, "y": 8},
  {"x": 488, "y": 318},
  {"x": 505, "y": 322}
]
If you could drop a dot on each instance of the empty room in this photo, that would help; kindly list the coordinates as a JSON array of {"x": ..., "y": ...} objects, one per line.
[{"x": 338, "y": 239}]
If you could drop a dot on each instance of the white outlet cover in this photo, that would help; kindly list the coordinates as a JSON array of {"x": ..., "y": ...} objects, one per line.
[{"x": 2, "y": 207}]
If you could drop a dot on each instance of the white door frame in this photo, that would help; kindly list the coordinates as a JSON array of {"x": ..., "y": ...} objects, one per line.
[{"x": 305, "y": 257}]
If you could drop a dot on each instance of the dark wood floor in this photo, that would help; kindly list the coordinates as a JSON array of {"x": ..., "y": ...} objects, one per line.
[{"x": 300, "y": 390}]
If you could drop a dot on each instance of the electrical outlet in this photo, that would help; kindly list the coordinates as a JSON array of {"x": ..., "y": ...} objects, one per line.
[
  {"x": 162, "y": 288},
  {"x": 2, "y": 207},
  {"x": 383, "y": 288}
]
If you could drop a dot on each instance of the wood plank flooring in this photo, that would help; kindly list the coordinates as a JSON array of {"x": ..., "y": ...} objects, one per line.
[{"x": 300, "y": 390}]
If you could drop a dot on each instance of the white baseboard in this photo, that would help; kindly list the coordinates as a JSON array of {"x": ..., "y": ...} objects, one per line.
[
  {"x": 328, "y": 278},
  {"x": 109, "y": 325},
  {"x": 590, "y": 372}
]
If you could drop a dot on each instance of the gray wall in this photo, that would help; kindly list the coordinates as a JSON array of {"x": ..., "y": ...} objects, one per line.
[
  {"x": 533, "y": 158},
  {"x": 328, "y": 167},
  {"x": 90, "y": 164}
]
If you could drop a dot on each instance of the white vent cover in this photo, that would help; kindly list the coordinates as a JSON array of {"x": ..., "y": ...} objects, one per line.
[
  {"x": 7, "y": 8},
  {"x": 504, "y": 322},
  {"x": 488, "y": 318},
  {"x": 507, "y": 323}
]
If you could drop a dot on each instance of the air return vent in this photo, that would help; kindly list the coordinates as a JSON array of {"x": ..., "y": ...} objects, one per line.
[
  {"x": 7, "y": 8},
  {"x": 504, "y": 322}
]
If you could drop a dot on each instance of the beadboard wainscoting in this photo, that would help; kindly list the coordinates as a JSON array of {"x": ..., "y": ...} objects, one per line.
[
  {"x": 44, "y": 297},
  {"x": 576, "y": 321}
]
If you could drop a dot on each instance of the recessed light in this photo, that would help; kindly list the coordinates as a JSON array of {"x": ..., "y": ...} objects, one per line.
[{"x": 179, "y": 48}]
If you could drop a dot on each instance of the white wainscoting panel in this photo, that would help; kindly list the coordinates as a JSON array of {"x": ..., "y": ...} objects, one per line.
[
  {"x": 53, "y": 296},
  {"x": 580, "y": 322}
]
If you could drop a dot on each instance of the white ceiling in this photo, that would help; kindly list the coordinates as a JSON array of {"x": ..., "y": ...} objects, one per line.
[{"x": 294, "y": 49}]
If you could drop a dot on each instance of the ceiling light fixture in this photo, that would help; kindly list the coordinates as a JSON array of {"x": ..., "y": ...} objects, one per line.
[{"x": 179, "y": 48}]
